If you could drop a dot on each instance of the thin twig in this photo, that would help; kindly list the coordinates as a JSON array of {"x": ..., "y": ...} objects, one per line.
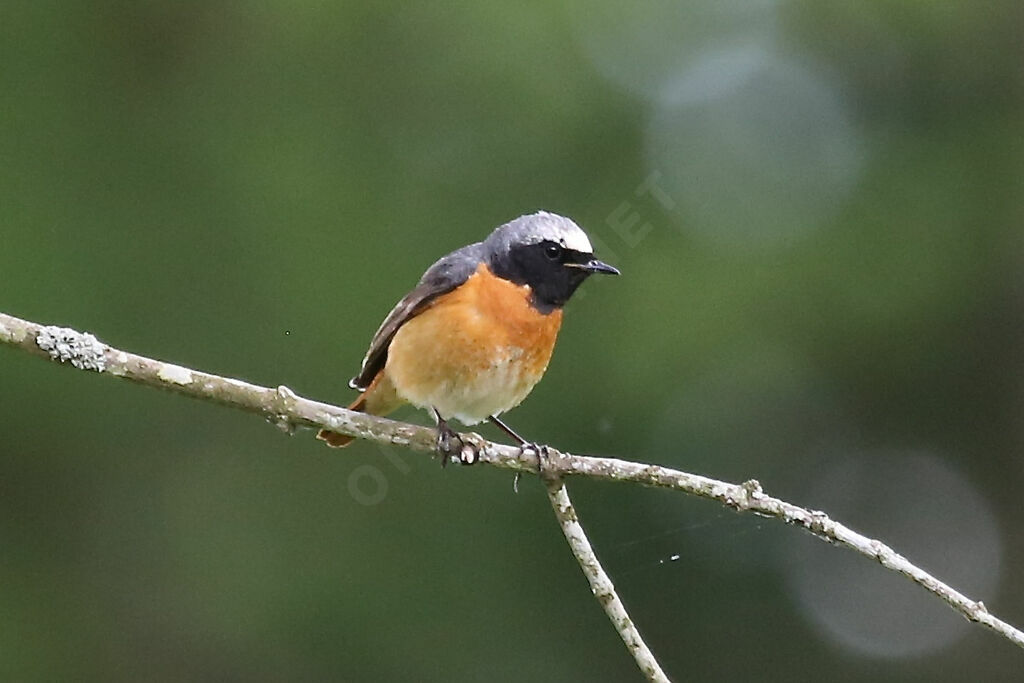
[
  {"x": 283, "y": 408},
  {"x": 600, "y": 583}
]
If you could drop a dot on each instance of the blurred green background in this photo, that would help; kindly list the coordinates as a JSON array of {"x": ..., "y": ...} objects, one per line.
[{"x": 817, "y": 210}]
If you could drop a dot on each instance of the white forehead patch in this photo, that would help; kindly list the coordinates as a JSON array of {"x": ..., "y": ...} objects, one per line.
[{"x": 550, "y": 226}]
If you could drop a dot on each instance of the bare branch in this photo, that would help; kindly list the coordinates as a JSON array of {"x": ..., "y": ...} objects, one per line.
[
  {"x": 600, "y": 583},
  {"x": 284, "y": 408}
]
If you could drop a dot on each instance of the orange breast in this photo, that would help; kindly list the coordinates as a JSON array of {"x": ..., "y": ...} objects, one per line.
[{"x": 477, "y": 351}]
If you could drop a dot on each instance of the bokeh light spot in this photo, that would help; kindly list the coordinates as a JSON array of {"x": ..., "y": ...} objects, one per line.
[
  {"x": 929, "y": 513},
  {"x": 759, "y": 150}
]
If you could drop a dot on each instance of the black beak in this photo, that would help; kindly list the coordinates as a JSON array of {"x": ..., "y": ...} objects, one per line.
[{"x": 595, "y": 266}]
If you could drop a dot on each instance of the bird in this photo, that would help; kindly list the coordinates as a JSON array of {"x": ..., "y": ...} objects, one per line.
[{"x": 475, "y": 335}]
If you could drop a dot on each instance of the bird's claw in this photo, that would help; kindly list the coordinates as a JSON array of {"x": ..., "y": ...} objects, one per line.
[
  {"x": 540, "y": 450},
  {"x": 459, "y": 448}
]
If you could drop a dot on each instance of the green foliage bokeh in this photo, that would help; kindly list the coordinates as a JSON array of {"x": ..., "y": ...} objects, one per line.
[{"x": 246, "y": 188}]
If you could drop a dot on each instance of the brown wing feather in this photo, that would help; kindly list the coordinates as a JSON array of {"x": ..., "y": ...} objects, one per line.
[
  {"x": 411, "y": 304},
  {"x": 445, "y": 275}
]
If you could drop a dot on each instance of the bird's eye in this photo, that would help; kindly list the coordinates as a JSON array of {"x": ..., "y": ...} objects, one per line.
[{"x": 553, "y": 252}]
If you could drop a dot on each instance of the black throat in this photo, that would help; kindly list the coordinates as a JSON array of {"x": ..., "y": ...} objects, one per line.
[{"x": 551, "y": 282}]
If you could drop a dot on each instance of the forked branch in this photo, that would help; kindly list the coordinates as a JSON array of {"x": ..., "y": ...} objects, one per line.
[{"x": 289, "y": 411}]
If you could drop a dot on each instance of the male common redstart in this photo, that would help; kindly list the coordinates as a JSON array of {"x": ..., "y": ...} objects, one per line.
[{"x": 475, "y": 335}]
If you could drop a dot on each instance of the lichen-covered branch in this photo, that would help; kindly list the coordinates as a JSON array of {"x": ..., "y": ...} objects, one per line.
[
  {"x": 284, "y": 408},
  {"x": 600, "y": 583}
]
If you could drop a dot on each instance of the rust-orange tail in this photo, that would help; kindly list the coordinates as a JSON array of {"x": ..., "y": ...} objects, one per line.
[
  {"x": 378, "y": 399},
  {"x": 336, "y": 440}
]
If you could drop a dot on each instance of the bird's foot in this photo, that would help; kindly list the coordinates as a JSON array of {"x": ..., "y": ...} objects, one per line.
[
  {"x": 540, "y": 450},
  {"x": 455, "y": 447}
]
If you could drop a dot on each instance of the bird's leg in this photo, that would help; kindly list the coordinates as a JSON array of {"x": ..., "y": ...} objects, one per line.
[
  {"x": 451, "y": 445},
  {"x": 540, "y": 449}
]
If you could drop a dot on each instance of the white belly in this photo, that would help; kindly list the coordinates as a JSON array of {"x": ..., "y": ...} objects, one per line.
[{"x": 491, "y": 390}]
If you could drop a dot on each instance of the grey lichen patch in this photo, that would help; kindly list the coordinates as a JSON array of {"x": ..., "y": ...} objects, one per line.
[{"x": 81, "y": 348}]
